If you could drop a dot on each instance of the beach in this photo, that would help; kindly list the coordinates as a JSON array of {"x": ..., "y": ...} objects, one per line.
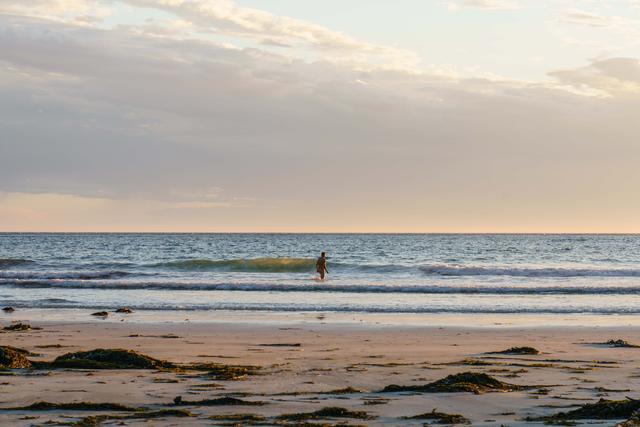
[{"x": 304, "y": 363}]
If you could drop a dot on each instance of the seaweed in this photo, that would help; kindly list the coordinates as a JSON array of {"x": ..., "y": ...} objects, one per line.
[
  {"x": 517, "y": 350},
  {"x": 620, "y": 343},
  {"x": 472, "y": 382},
  {"x": 220, "y": 401},
  {"x": 297, "y": 344},
  {"x": 101, "y": 358},
  {"x": 96, "y": 420},
  {"x": 440, "y": 418},
  {"x": 470, "y": 362},
  {"x": 20, "y": 327},
  {"x": 601, "y": 410},
  {"x": 100, "y": 314},
  {"x": 633, "y": 421},
  {"x": 328, "y": 412},
  {"x": 8, "y": 309},
  {"x": 346, "y": 390},
  {"x": 73, "y": 406},
  {"x": 221, "y": 372},
  {"x": 125, "y": 310},
  {"x": 238, "y": 417},
  {"x": 14, "y": 358}
]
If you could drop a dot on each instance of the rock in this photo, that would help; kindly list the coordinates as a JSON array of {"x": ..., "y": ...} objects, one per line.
[
  {"x": 109, "y": 359},
  {"x": 100, "y": 314},
  {"x": 126, "y": 310},
  {"x": 8, "y": 309},
  {"x": 472, "y": 382},
  {"x": 14, "y": 358}
]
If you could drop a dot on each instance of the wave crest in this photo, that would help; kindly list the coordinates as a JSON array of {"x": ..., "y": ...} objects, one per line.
[
  {"x": 450, "y": 270},
  {"x": 258, "y": 265}
]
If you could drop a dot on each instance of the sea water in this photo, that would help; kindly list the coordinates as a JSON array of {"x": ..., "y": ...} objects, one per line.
[{"x": 368, "y": 273}]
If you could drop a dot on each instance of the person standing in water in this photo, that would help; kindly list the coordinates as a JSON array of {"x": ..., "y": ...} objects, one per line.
[{"x": 321, "y": 265}]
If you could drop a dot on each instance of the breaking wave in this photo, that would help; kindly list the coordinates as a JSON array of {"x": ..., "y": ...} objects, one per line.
[
  {"x": 258, "y": 265},
  {"x": 329, "y": 288},
  {"x": 448, "y": 270},
  {"x": 78, "y": 275}
]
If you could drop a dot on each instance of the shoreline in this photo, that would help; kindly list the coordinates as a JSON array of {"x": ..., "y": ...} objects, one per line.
[{"x": 409, "y": 320}]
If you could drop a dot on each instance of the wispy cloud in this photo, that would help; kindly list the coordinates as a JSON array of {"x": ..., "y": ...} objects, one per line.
[
  {"x": 228, "y": 18},
  {"x": 485, "y": 4}
]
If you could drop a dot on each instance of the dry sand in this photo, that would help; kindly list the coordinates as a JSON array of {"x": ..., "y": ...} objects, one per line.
[{"x": 308, "y": 360}]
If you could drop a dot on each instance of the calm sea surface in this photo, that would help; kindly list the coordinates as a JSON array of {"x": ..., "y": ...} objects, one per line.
[{"x": 597, "y": 274}]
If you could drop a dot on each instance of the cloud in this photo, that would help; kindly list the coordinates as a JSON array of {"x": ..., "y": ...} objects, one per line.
[
  {"x": 78, "y": 11},
  {"x": 145, "y": 132},
  {"x": 485, "y": 4},
  {"x": 228, "y": 18},
  {"x": 614, "y": 76},
  {"x": 581, "y": 17}
]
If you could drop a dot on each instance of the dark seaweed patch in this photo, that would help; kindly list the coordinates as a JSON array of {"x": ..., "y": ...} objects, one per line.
[
  {"x": 471, "y": 382},
  {"x": 517, "y": 350},
  {"x": 14, "y": 358},
  {"x": 109, "y": 359},
  {"x": 73, "y": 406},
  {"x": 601, "y": 410},
  {"x": 440, "y": 418},
  {"x": 220, "y": 401},
  {"x": 328, "y": 412}
]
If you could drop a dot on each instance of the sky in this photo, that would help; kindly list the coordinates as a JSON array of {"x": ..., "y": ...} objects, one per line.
[{"x": 320, "y": 116}]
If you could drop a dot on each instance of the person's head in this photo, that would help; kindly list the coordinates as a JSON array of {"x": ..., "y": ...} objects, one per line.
[{"x": 323, "y": 254}]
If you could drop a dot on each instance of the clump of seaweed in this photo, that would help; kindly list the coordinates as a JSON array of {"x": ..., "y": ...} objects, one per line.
[
  {"x": 517, "y": 351},
  {"x": 101, "y": 358},
  {"x": 97, "y": 420},
  {"x": 221, "y": 372},
  {"x": 620, "y": 343},
  {"x": 471, "y": 382},
  {"x": 73, "y": 406},
  {"x": 19, "y": 327},
  {"x": 100, "y": 314},
  {"x": 220, "y": 401},
  {"x": 14, "y": 358},
  {"x": 440, "y": 418},
  {"x": 125, "y": 310},
  {"x": 633, "y": 421},
  {"x": 328, "y": 412},
  {"x": 601, "y": 410},
  {"x": 8, "y": 309},
  {"x": 238, "y": 418}
]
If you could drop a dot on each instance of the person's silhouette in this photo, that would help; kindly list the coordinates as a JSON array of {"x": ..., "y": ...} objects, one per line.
[{"x": 321, "y": 265}]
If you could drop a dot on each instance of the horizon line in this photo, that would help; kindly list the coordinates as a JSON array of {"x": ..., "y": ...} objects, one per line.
[{"x": 514, "y": 233}]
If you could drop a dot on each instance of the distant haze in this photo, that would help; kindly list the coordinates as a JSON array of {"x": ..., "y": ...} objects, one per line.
[{"x": 346, "y": 116}]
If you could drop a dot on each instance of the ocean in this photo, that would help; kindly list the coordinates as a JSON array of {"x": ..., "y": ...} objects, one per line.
[{"x": 368, "y": 273}]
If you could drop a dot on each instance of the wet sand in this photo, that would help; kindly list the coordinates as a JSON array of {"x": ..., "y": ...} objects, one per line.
[{"x": 305, "y": 366}]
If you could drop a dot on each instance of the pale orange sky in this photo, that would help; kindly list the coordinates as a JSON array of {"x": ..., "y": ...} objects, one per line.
[{"x": 215, "y": 115}]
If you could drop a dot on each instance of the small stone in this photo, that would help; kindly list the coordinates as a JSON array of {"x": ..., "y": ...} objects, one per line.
[
  {"x": 8, "y": 309},
  {"x": 126, "y": 310}
]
